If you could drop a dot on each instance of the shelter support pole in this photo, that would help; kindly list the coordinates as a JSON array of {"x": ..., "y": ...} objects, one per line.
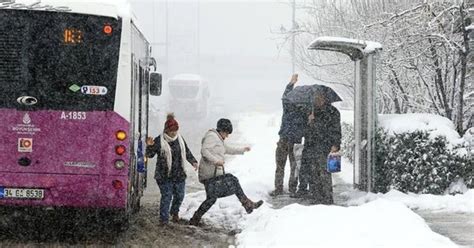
[{"x": 365, "y": 118}]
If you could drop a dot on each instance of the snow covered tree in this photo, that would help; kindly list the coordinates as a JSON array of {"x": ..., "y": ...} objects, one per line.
[{"x": 423, "y": 66}]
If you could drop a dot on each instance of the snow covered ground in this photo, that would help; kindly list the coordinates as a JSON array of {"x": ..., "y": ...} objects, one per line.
[
  {"x": 374, "y": 221},
  {"x": 460, "y": 203}
]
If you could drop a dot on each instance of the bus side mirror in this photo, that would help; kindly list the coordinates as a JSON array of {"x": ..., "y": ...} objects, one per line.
[{"x": 155, "y": 84}]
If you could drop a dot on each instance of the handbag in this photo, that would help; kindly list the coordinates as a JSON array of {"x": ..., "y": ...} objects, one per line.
[
  {"x": 333, "y": 163},
  {"x": 219, "y": 186}
]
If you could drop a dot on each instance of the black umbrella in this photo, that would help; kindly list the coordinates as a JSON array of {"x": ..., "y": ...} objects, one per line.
[{"x": 304, "y": 95}]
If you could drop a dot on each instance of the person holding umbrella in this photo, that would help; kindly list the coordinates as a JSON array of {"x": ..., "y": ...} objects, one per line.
[
  {"x": 293, "y": 122},
  {"x": 322, "y": 136}
]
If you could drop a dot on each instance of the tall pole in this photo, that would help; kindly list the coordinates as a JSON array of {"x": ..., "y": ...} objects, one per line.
[
  {"x": 293, "y": 29},
  {"x": 199, "y": 36},
  {"x": 167, "y": 42}
]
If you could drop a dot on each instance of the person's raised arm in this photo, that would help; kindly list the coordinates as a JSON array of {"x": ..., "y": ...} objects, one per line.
[
  {"x": 153, "y": 146},
  {"x": 291, "y": 85},
  {"x": 236, "y": 150}
]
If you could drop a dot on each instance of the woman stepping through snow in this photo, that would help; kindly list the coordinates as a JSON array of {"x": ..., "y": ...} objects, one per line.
[{"x": 212, "y": 174}]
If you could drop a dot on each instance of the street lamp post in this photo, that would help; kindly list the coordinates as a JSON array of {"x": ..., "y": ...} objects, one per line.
[{"x": 293, "y": 28}]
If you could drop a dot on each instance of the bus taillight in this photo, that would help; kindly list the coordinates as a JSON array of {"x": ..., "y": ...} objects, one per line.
[
  {"x": 121, "y": 135},
  {"x": 120, "y": 149},
  {"x": 117, "y": 184},
  {"x": 119, "y": 164}
]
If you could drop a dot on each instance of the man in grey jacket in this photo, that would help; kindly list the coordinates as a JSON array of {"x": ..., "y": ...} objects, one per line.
[{"x": 212, "y": 173}]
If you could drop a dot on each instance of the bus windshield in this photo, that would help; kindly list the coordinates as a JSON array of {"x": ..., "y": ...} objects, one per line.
[{"x": 64, "y": 61}]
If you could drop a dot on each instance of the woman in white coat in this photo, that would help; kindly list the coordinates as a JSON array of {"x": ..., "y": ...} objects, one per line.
[{"x": 212, "y": 172}]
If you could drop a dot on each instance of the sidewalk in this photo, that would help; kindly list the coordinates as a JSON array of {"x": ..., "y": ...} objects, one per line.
[{"x": 459, "y": 227}]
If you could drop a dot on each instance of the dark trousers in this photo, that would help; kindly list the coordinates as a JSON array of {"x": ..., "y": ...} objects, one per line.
[
  {"x": 170, "y": 191},
  {"x": 305, "y": 171},
  {"x": 232, "y": 187},
  {"x": 284, "y": 150},
  {"x": 320, "y": 186},
  {"x": 313, "y": 174}
]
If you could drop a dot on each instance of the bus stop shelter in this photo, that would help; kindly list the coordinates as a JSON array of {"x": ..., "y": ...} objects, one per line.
[{"x": 364, "y": 54}]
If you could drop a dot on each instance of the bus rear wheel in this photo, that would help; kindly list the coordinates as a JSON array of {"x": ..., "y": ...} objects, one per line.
[{"x": 117, "y": 220}]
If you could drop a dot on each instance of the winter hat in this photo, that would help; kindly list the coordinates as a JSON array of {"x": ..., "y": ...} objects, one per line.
[
  {"x": 224, "y": 125},
  {"x": 171, "y": 124}
]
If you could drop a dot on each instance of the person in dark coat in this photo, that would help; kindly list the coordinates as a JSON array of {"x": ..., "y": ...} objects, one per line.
[
  {"x": 293, "y": 122},
  {"x": 170, "y": 175},
  {"x": 212, "y": 173},
  {"x": 322, "y": 136}
]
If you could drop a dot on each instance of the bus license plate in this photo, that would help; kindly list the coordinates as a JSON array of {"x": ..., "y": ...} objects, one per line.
[{"x": 22, "y": 193}]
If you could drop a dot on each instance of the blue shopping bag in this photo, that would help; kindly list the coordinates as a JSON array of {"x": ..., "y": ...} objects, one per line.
[{"x": 334, "y": 163}]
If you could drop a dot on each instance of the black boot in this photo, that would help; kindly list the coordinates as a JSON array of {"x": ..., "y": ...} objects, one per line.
[
  {"x": 250, "y": 205},
  {"x": 196, "y": 219}
]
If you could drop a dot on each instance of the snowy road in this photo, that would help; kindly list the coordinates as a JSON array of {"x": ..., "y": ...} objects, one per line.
[{"x": 68, "y": 228}]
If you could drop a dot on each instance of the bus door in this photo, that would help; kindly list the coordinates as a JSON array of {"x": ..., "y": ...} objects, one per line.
[
  {"x": 143, "y": 119},
  {"x": 137, "y": 149}
]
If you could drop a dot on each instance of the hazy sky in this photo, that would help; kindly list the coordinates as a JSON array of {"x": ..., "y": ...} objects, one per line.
[
  {"x": 226, "y": 27},
  {"x": 242, "y": 27},
  {"x": 233, "y": 44}
]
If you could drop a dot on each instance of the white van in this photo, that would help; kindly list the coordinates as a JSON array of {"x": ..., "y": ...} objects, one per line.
[{"x": 189, "y": 95}]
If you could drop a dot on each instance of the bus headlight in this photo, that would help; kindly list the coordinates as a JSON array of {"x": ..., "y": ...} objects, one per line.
[{"x": 119, "y": 164}]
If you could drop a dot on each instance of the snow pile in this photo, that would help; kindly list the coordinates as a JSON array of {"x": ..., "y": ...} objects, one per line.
[
  {"x": 434, "y": 124},
  {"x": 460, "y": 203},
  {"x": 377, "y": 224}
]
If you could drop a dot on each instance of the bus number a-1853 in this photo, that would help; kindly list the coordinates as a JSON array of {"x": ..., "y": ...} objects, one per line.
[{"x": 73, "y": 116}]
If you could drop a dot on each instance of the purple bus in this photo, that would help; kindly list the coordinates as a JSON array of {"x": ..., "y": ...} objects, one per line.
[{"x": 75, "y": 82}]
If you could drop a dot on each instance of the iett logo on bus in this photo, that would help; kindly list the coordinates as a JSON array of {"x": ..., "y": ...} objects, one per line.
[{"x": 26, "y": 119}]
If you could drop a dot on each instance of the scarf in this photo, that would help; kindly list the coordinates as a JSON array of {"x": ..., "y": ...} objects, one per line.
[{"x": 166, "y": 149}]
